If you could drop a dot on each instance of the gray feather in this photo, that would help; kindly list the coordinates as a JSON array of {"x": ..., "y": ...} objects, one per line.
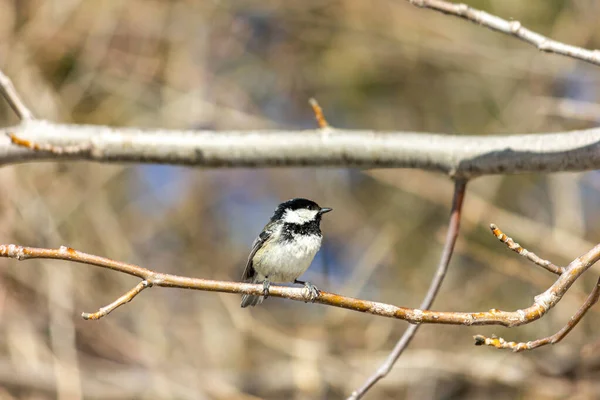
[{"x": 249, "y": 274}]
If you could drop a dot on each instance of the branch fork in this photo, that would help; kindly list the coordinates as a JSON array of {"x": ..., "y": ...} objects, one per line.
[{"x": 546, "y": 299}]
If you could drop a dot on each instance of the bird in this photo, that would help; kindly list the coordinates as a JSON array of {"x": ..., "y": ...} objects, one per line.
[{"x": 285, "y": 248}]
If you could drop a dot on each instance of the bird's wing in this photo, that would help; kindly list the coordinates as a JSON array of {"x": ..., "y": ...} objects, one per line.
[{"x": 258, "y": 243}]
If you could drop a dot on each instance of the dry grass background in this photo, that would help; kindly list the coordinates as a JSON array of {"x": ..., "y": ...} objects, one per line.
[{"x": 233, "y": 65}]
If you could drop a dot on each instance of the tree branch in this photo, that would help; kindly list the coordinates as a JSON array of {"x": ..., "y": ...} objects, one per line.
[
  {"x": 517, "y": 248},
  {"x": 512, "y": 28},
  {"x": 12, "y": 97},
  {"x": 500, "y": 343},
  {"x": 460, "y": 156},
  {"x": 126, "y": 298},
  {"x": 542, "y": 303},
  {"x": 451, "y": 236}
]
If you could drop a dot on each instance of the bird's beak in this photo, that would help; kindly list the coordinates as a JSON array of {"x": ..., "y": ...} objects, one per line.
[{"x": 325, "y": 210}]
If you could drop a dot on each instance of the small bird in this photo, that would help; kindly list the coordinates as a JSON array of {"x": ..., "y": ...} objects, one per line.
[{"x": 285, "y": 248}]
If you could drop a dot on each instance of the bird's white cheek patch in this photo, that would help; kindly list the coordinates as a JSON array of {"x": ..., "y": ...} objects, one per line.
[{"x": 300, "y": 217}]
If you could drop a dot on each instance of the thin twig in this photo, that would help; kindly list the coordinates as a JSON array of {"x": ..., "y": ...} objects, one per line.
[
  {"x": 434, "y": 287},
  {"x": 517, "y": 248},
  {"x": 512, "y": 28},
  {"x": 500, "y": 343},
  {"x": 318, "y": 113},
  {"x": 126, "y": 298},
  {"x": 12, "y": 97}
]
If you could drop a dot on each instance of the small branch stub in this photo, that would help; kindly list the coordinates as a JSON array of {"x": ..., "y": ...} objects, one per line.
[{"x": 318, "y": 113}]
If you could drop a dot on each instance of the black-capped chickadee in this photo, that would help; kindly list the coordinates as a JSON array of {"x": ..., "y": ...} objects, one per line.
[{"x": 285, "y": 248}]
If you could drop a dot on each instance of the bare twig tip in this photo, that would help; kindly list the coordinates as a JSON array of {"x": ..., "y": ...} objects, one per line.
[
  {"x": 479, "y": 340},
  {"x": 87, "y": 316},
  {"x": 517, "y": 248}
]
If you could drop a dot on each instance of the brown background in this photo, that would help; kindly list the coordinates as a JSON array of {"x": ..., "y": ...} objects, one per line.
[{"x": 383, "y": 65}]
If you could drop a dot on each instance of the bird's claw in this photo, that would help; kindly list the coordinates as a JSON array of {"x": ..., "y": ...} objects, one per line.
[
  {"x": 312, "y": 292},
  {"x": 266, "y": 286}
]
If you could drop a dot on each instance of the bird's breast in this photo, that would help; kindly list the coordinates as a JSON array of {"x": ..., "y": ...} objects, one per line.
[{"x": 289, "y": 259}]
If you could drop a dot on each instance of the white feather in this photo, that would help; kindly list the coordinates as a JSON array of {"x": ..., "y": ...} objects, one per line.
[
  {"x": 300, "y": 217},
  {"x": 286, "y": 261}
]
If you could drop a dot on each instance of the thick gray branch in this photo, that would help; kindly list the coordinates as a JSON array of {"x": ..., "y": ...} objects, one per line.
[{"x": 459, "y": 156}]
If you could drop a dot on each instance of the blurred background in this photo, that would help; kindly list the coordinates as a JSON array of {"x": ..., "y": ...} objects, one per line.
[{"x": 383, "y": 65}]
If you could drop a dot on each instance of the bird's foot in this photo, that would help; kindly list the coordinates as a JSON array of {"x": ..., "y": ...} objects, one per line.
[
  {"x": 266, "y": 286},
  {"x": 312, "y": 292}
]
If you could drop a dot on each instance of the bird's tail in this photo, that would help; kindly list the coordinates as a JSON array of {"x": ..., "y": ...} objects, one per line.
[{"x": 250, "y": 300}]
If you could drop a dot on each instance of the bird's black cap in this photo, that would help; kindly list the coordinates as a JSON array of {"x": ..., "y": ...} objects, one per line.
[{"x": 297, "y": 204}]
